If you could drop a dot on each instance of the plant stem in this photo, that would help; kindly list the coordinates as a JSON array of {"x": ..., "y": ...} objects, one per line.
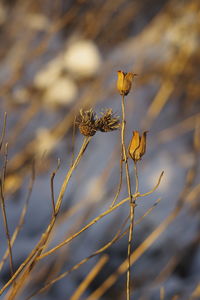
[
  {"x": 132, "y": 211},
  {"x": 136, "y": 179},
  {"x": 6, "y": 227},
  {"x": 132, "y": 203},
  {"x": 36, "y": 252},
  {"x": 2, "y": 200}
]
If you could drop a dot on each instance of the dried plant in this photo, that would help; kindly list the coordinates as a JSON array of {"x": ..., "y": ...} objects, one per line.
[
  {"x": 124, "y": 82},
  {"x": 137, "y": 147},
  {"x": 87, "y": 122},
  {"x": 108, "y": 122},
  {"x": 175, "y": 73}
]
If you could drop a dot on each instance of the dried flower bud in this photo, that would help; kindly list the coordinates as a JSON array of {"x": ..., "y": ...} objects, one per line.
[
  {"x": 86, "y": 122},
  {"x": 137, "y": 147},
  {"x": 108, "y": 122},
  {"x": 124, "y": 82}
]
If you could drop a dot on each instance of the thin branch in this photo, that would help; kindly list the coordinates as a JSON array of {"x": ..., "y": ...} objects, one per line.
[
  {"x": 97, "y": 294},
  {"x": 119, "y": 235},
  {"x": 5, "y": 220},
  {"x": 3, "y": 176},
  {"x": 78, "y": 265},
  {"x": 3, "y": 130},
  {"x": 120, "y": 180},
  {"x": 52, "y": 185},
  {"x": 66, "y": 241},
  {"x": 73, "y": 139},
  {"x": 137, "y": 253},
  {"x": 22, "y": 216},
  {"x": 148, "y": 211},
  {"x": 136, "y": 178},
  {"x": 36, "y": 252},
  {"x": 95, "y": 220},
  {"x": 132, "y": 203},
  {"x": 125, "y": 158},
  {"x": 155, "y": 187},
  {"x": 130, "y": 237},
  {"x": 6, "y": 227}
]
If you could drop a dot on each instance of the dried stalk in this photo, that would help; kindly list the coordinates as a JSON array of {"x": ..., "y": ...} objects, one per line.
[
  {"x": 132, "y": 203},
  {"x": 53, "y": 174},
  {"x": 95, "y": 220},
  {"x": 42, "y": 243},
  {"x": 3, "y": 208},
  {"x": 117, "y": 237},
  {"x": 137, "y": 253},
  {"x": 6, "y": 227},
  {"x": 21, "y": 219},
  {"x": 3, "y": 130}
]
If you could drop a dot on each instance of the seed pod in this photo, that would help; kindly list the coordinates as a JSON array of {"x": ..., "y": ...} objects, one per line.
[
  {"x": 108, "y": 122},
  {"x": 86, "y": 122},
  {"x": 124, "y": 82},
  {"x": 137, "y": 147}
]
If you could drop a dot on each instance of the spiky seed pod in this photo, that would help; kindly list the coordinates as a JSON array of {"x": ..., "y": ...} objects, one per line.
[
  {"x": 86, "y": 122},
  {"x": 137, "y": 147},
  {"x": 124, "y": 82},
  {"x": 108, "y": 122}
]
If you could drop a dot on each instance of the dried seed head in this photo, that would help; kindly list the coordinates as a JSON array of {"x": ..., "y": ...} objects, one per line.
[
  {"x": 108, "y": 122},
  {"x": 86, "y": 122},
  {"x": 124, "y": 82},
  {"x": 137, "y": 147}
]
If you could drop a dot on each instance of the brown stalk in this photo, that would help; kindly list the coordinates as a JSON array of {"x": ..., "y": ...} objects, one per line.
[
  {"x": 118, "y": 236},
  {"x": 95, "y": 220},
  {"x": 75, "y": 267},
  {"x": 22, "y": 216},
  {"x": 120, "y": 180},
  {"x": 68, "y": 239},
  {"x": 132, "y": 207},
  {"x": 3, "y": 208},
  {"x": 6, "y": 227},
  {"x": 53, "y": 174},
  {"x": 82, "y": 204},
  {"x": 42, "y": 243},
  {"x": 73, "y": 138},
  {"x": 132, "y": 203},
  {"x": 190, "y": 177},
  {"x": 3, "y": 130},
  {"x": 135, "y": 255}
]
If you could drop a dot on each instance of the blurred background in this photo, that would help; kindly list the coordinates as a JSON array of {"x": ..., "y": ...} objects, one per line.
[{"x": 59, "y": 56}]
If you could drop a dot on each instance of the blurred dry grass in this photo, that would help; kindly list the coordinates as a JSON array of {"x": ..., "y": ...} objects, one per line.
[{"x": 42, "y": 93}]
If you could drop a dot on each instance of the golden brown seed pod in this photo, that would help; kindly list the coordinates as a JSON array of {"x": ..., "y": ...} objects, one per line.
[
  {"x": 137, "y": 147},
  {"x": 124, "y": 82},
  {"x": 86, "y": 122}
]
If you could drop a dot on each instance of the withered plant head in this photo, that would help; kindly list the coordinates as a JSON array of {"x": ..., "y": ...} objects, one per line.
[
  {"x": 86, "y": 122},
  {"x": 137, "y": 146},
  {"x": 108, "y": 122},
  {"x": 124, "y": 82}
]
